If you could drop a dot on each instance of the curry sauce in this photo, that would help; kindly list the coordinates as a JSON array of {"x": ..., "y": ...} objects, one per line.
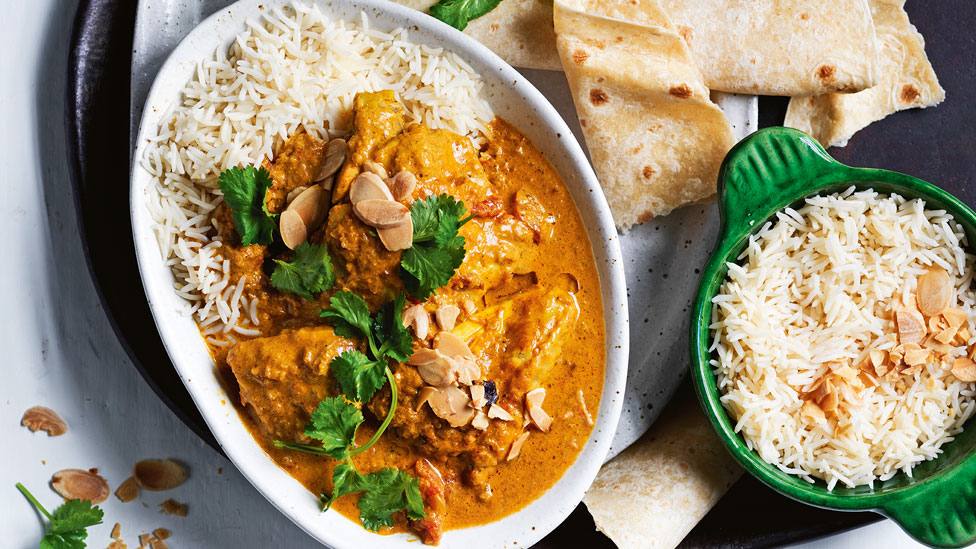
[{"x": 531, "y": 313}]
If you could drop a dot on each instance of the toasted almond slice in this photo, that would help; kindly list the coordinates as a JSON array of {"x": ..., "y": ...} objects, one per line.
[
  {"x": 972, "y": 352},
  {"x": 877, "y": 359},
  {"x": 517, "y": 446},
  {"x": 935, "y": 324},
  {"x": 402, "y": 185},
  {"x": 438, "y": 372},
  {"x": 917, "y": 357},
  {"x": 128, "y": 490},
  {"x": 312, "y": 205},
  {"x": 535, "y": 397},
  {"x": 845, "y": 372},
  {"x": 583, "y": 409},
  {"x": 955, "y": 318},
  {"x": 466, "y": 370},
  {"x": 477, "y": 393},
  {"x": 423, "y": 355},
  {"x": 293, "y": 194},
  {"x": 452, "y": 345},
  {"x": 42, "y": 418},
  {"x": 375, "y": 167},
  {"x": 417, "y": 317},
  {"x": 829, "y": 403},
  {"x": 368, "y": 186},
  {"x": 161, "y": 533},
  {"x": 116, "y": 531},
  {"x": 964, "y": 369},
  {"x": 335, "y": 155},
  {"x": 540, "y": 418},
  {"x": 947, "y": 335},
  {"x": 812, "y": 411},
  {"x": 397, "y": 238},
  {"x": 144, "y": 540},
  {"x": 963, "y": 336},
  {"x": 479, "y": 404},
  {"x": 446, "y": 316},
  {"x": 79, "y": 484},
  {"x": 293, "y": 230},
  {"x": 451, "y": 404},
  {"x": 158, "y": 474},
  {"x": 381, "y": 214},
  {"x": 480, "y": 421},
  {"x": 867, "y": 379},
  {"x": 935, "y": 291},
  {"x": 171, "y": 506},
  {"x": 495, "y": 411},
  {"x": 911, "y": 326},
  {"x": 468, "y": 305},
  {"x": 423, "y": 395}
]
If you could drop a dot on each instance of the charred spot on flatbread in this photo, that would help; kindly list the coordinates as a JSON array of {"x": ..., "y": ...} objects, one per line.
[
  {"x": 681, "y": 90},
  {"x": 909, "y": 94},
  {"x": 686, "y": 32},
  {"x": 648, "y": 172},
  {"x": 580, "y": 56},
  {"x": 826, "y": 73},
  {"x": 599, "y": 97}
]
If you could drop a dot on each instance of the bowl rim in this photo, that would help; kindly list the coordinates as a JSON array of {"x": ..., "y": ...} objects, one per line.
[
  {"x": 535, "y": 519},
  {"x": 736, "y": 227}
]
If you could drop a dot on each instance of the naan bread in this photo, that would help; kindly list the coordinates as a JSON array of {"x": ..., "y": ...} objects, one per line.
[
  {"x": 656, "y": 491},
  {"x": 519, "y": 31},
  {"x": 907, "y": 81},
  {"x": 655, "y": 139}
]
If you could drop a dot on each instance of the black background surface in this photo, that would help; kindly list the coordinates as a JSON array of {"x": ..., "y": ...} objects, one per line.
[{"x": 934, "y": 144}]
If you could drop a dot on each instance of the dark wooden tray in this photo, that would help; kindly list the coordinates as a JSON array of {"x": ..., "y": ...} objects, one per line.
[{"x": 935, "y": 144}]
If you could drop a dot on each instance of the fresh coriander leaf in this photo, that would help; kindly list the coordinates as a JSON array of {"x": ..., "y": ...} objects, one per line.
[
  {"x": 69, "y": 523},
  {"x": 394, "y": 339},
  {"x": 345, "y": 480},
  {"x": 334, "y": 423},
  {"x": 349, "y": 315},
  {"x": 457, "y": 13},
  {"x": 309, "y": 272},
  {"x": 427, "y": 268},
  {"x": 388, "y": 491},
  {"x": 437, "y": 249},
  {"x": 245, "y": 190},
  {"x": 429, "y": 214},
  {"x": 359, "y": 377}
]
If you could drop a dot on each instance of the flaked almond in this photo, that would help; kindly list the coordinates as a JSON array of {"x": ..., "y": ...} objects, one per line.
[
  {"x": 517, "y": 446},
  {"x": 41, "y": 418},
  {"x": 877, "y": 359},
  {"x": 583, "y": 409},
  {"x": 451, "y": 404},
  {"x": 144, "y": 540},
  {"x": 173, "y": 507},
  {"x": 423, "y": 395},
  {"x": 116, "y": 531},
  {"x": 402, "y": 185},
  {"x": 434, "y": 368},
  {"x": 468, "y": 305},
  {"x": 375, "y": 167},
  {"x": 934, "y": 292},
  {"x": 822, "y": 390},
  {"x": 293, "y": 230},
  {"x": 417, "y": 317},
  {"x": 535, "y": 397},
  {"x": 79, "y": 484},
  {"x": 963, "y": 336},
  {"x": 128, "y": 490},
  {"x": 312, "y": 206},
  {"x": 964, "y": 369},
  {"x": 381, "y": 214},
  {"x": 466, "y": 369},
  {"x": 478, "y": 399},
  {"x": 955, "y": 318},
  {"x": 911, "y": 326},
  {"x": 335, "y": 155},
  {"x": 446, "y": 316},
  {"x": 829, "y": 402},
  {"x": 812, "y": 411},
  {"x": 495, "y": 411},
  {"x": 947, "y": 335},
  {"x": 867, "y": 379},
  {"x": 368, "y": 186},
  {"x": 845, "y": 372},
  {"x": 161, "y": 533},
  {"x": 917, "y": 357},
  {"x": 452, "y": 345},
  {"x": 540, "y": 418},
  {"x": 936, "y": 324},
  {"x": 480, "y": 421},
  {"x": 293, "y": 194},
  {"x": 397, "y": 238},
  {"x": 158, "y": 474},
  {"x": 972, "y": 352}
]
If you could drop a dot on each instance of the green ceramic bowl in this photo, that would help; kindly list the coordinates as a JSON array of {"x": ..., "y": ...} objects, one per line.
[{"x": 766, "y": 172}]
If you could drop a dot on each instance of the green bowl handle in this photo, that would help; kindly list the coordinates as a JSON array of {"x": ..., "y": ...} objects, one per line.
[
  {"x": 765, "y": 172},
  {"x": 941, "y": 512}
]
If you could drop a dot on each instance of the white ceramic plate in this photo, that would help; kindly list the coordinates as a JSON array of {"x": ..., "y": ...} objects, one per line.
[{"x": 511, "y": 97}]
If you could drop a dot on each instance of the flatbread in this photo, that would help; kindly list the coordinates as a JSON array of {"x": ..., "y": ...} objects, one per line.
[
  {"x": 780, "y": 47},
  {"x": 907, "y": 81},
  {"x": 656, "y": 491},
  {"x": 655, "y": 138},
  {"x": 519, "y": 31}
]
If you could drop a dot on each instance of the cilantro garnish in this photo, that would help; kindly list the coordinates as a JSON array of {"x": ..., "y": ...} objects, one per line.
[
  {"x": 69, "y": 523},
  {"x": 245, "y": 190},
  {"x": 335, "y": 421},
  {"x": 309, "y": 272},
  {"x": 457, "y": 13},
  {"x": 437, "y": 249}
]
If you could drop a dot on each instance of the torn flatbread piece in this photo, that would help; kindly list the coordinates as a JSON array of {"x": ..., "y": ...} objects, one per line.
[
  {"x": 908, "y": 81},
  {"x": 779, "y": 47},
  {"x": 519, "y": 31},
  {"x": 655, "y": 138}
]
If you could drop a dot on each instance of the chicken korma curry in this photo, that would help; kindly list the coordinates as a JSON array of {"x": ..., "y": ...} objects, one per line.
[{"x": 431, "y": 349}]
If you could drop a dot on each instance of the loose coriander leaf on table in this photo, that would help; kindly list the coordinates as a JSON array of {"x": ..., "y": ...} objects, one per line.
[
  {"x": 69, "y": 522},
  {"x": 388, "y": 491},
  {"x": 348, "y": 314},
  {"x": 457, "y": 13},
  {"x": 334, "y": 423},
  {"x": 245, "y": 190},
  {"x": 359, "y": 377},
  {"x": 309, "y": 272}
]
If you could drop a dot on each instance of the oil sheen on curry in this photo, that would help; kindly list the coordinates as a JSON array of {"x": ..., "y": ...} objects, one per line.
[{"x": 506, "y": 364}]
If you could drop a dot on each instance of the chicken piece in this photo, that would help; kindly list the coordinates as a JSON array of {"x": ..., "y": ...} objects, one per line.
[
  {"x": 284, "y": 377},
  {"x": 434, "y": 493},
  {"x": 295, "y": 165},
  {"x": 376, "y": 117}
]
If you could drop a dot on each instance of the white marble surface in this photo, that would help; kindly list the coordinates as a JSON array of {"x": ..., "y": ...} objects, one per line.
[{"x": 59, "y": 349}]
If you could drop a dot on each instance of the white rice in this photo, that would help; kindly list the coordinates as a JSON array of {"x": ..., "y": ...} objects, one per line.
[
  {"x": 291, "y": 68},
  {"x": 813, "y": 288}
]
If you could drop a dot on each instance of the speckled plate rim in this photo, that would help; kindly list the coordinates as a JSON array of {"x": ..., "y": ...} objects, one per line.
[{"x": 512, "y": 97}]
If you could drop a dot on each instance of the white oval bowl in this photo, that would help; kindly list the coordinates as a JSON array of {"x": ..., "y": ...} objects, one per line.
[{"x": 512, "y": 97}]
